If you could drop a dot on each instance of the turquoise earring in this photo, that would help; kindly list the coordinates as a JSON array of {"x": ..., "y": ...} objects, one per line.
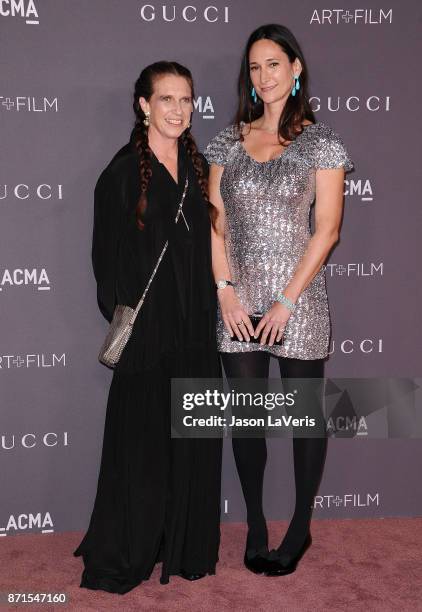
[
  {"x": 296, "y": 85},
  {"x": 254, "y": 96}
]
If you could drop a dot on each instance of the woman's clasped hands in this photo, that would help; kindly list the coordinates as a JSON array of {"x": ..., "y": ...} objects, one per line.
[{"x": 238, "y": 322}]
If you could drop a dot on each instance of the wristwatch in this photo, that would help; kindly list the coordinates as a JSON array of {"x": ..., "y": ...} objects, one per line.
[{"x": 222, "y": 283}]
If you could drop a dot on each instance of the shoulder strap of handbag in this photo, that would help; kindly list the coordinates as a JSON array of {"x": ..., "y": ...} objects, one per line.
[{"x": 141, "y": 301}]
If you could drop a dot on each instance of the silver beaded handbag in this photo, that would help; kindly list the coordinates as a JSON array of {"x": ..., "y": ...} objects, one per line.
[{"x": 124, "y": 317}]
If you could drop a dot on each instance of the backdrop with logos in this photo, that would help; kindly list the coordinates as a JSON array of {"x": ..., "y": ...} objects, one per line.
[{"x": 65, "y": 109}]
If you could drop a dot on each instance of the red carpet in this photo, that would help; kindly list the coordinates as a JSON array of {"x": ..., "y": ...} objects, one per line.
[{"x": 365, "y": 565}]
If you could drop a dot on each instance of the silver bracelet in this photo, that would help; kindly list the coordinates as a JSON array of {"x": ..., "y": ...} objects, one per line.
[
  {"x": 286, "y": 302},
  {"x": 222, "y": 283}
]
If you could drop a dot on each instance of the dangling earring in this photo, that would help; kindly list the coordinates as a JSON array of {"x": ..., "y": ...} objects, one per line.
[
  {"x": 254, "y": 96},
  {"x": 146, "y": 120},
  {"x": 296, "y": 85}
]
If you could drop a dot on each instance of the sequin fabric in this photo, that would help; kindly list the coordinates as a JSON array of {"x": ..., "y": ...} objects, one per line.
[{"x": 267, "y": 207}]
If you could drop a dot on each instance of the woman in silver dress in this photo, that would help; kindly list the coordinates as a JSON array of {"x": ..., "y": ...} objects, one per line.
[{"x": 266, "y": 172}]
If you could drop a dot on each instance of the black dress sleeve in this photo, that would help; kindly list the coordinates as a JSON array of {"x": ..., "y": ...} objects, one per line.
[
  {"x": 205, "y": 165},
  {"x": 108, "y": 217}
]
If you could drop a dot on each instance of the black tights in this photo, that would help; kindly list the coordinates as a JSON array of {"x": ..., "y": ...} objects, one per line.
[{"x": 251, "y": 453}]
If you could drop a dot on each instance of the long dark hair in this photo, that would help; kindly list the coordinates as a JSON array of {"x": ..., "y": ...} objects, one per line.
[
  {"x": 297, "y": 108},
  {"x": 144, "y": 87}
]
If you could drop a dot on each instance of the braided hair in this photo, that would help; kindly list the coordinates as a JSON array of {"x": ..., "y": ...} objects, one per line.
[{"x": 144, "y": 87}]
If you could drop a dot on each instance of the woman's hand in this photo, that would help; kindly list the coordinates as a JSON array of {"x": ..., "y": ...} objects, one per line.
[
  {"x": 235, "y": 317},
  {"x": 273, "y": 323}
]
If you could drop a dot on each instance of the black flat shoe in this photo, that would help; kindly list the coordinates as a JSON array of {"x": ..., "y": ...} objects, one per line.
[
  {"x": 282, "y": 567},
  {"x": 256, "y": 562},
  {"x": 191, "y": 577}
]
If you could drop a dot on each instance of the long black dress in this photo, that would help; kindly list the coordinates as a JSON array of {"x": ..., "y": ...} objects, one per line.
[{"x": 158, "y": 498}]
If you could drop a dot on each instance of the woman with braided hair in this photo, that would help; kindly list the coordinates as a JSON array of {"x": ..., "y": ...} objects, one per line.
[{"x": 158, "y": 498}]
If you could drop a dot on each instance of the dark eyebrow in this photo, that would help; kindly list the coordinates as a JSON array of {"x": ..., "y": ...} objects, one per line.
[
  {"x": 269, "y": 59},
  {"x": 168, "y": 95}
]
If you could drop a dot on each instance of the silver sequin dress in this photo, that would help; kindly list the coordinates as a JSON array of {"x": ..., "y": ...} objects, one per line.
[{"x": 267, "y": 207}]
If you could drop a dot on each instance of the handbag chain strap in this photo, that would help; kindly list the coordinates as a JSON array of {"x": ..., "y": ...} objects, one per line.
[{"x": 141, "y": 301}]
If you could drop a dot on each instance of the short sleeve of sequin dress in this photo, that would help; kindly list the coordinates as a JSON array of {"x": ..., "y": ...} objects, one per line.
[
  {"x": 219, "y": 149},
  {"x": 267, "y": 210},
  {"x": 329, "y": 150}
]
